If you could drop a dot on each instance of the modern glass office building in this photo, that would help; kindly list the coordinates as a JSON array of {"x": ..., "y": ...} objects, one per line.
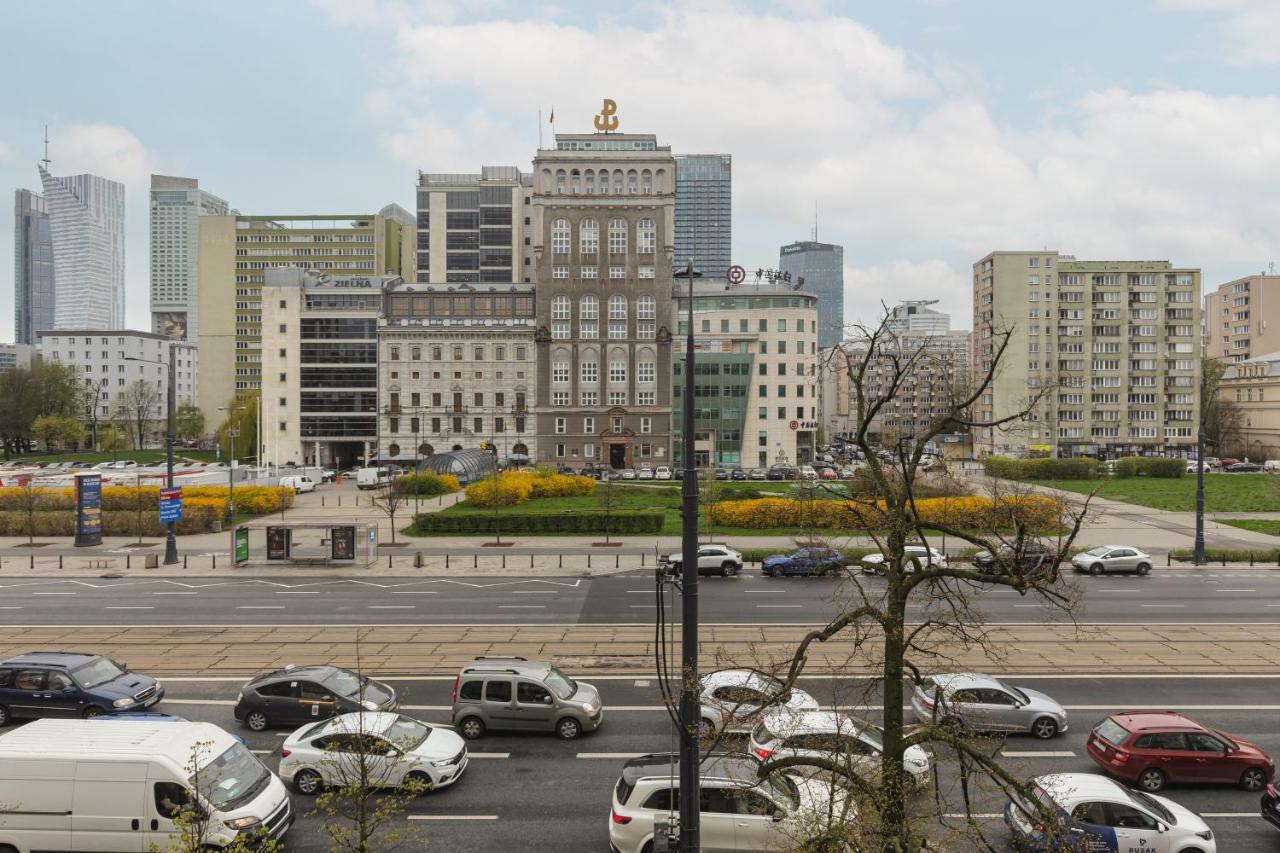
[
  {"x": 176, "y": 207},
  {"x": 821, "y": 265},
  {"x": 32, "y": 267},
  {"x": 86, "y": 222},
  {"x": 704, "y": 212}
]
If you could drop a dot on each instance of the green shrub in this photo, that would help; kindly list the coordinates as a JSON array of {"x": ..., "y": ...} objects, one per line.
[
  {"x": 199, "y": 518},
  {"x": 1162, "y": 466},
  {"x": 622, "y": 522},
  {"x": 1229, "y": 555},
  {"x": 427, "y": 485},
  {"x": 1127, "y": 467},
  {"x": 1048, "y": 468}
]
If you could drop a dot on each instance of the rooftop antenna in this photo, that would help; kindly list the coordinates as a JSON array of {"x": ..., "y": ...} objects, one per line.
[
  {"x": 815, "y": 220},
  {"x": 1271, "y": 267},
  {"x": 46, "y": 161}
]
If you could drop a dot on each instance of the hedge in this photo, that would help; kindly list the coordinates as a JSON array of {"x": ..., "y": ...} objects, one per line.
[
  {"x": 426, "y": 484},
  {"x": 1228, "y": 555},
  {"x": 1165, "y": 467},
  {"x": 250, "y": 500},
  {"x": 1048, "y": 468},
  {"x": 1036, "y": 512},
  {"x": 203, "y": 517},
  {"x": 622, "y": 522},
  {"x": 516, "y": 487}
]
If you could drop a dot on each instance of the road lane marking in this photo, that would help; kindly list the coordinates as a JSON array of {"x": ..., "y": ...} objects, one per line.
[
  {"x": 452, "y": 817},
  {"x": 633, "y": 606},
  {"x": 488, "y": 755},
  {"x": 763, "y": 591},
  {"x": 534, "y": 592},
  {"x": 1162, "y": 605},
  {"x": 641, "y": 682},
  {"x": 645, "y": 591},
  {"x": 413, "y": 592},
  {"x": 297, "y": 592},
  {"x": 1235, "y": 590},
  {"x": 393, "y": 606},
  {"x": 522, "y": 607},
  {"x": 776, "y": 606},
  {"x": 613, "y": 755},
  {"x": 1004, "y": 753},
  {"x": 130, "y": 607},
  {"x": 53, "y": 593},
  {"x": 175, "y": 593},
  {"x": 260, "y": 607}
]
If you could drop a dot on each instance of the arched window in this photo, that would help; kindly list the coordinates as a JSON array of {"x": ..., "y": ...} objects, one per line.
[
  {"x": 604, "y": 181},
  {"x": 617, "y": 181},
  {"x": 646, "y": 308},
  {"x": 575, "y": 181},
  {"x": 393, "y": 450},
  {"x": 617, "y": 307},
  {"x": 560, "y": 308},
  {"x": 589, "y": 236},
  {"x": 425, "y": 449},
  {"x": 633, "y": 179},
  {"x": 646, "y": 237},
  {"x": 560, "y": 180},
  {"x": 617, "y": 236},
  {"x": 560, "y": 237},
  {"x": 660, "y": 180},
  {"x": 646, "y": 181},
  {"x": 590, "y": 177},
  {"x": 589, "y": 308}
]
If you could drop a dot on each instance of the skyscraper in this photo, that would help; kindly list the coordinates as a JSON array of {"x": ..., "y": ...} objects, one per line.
[
  {"x": 32, "y": 267},
  {"x": 704, "y": 212},
  {"x": 86, "y": 221},
  {"x": 821, "y": 265},
  {"x": 176, "y": 206}
]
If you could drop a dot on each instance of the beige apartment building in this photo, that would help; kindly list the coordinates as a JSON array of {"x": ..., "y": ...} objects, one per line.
[
  {"x": 1105, "y": 353},
  {"x": 1253, "y": 386},
  {"x": 235, "y": 252},
  {"x": 1242, "y": 318}
]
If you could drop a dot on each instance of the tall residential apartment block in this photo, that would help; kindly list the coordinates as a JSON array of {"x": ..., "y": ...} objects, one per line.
[
  {"x": 176, "y": 207},
  {"x": 33, "y": 294},
  {"x": 821, "y": 265},
  {"x": 604, "y": 225},
  {"x": 473, "y": 227},
  {"x": 704, "y": 212},
  {"x": 86, "y": 222},
  {"x": 110, "y": 361},
  {"x": 234, "y": 253},
  {"x": 1242, "y": 318},
  {"x": 1105, "y": 353}
]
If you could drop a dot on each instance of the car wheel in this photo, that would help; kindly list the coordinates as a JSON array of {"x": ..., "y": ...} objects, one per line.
[
  {"x": 568, "y": 728},
  {"x": 1151, "y": 780},
  {"x": 1097, "y": 569},
  {"x": 471, "y": 728},
  {"x": 728, "y": 570},
  {"x": 256, "y": 721},
  {"x": 93, "y": 711},
  {"x": 1044, "y": 728},
  {"x": 307, "y": 782},
  {"x": 1253, "y": 779},
  {"x": 5, "y": 719},
  {"x": 1143, "y": 568},
  {"x": 706, "y": 730},
  {"x": 419, "y": 781}
]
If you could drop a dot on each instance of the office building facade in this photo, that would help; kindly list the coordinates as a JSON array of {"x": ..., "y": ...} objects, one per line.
[
  {"x": 1105, "y": 354},
  {"x": 13, "y": 356},
  {"x": 473, "y": 227},
  {"x": 1242, "y": 318},
  {"x": 1253, "y": 387},
  {"x": 86, "y": 224},
  {"x": 603, "y": 217},
  {"x": 33, "y": 293},
  {"x": 176, "y": 207},
  {"x": 821, "y": 265},
  {"x": 704, "y": 212}
]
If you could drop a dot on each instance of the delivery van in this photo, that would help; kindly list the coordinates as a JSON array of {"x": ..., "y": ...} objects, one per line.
[
  {"x": 372, "y": 478},
  {"x": 71, "y": 785}
]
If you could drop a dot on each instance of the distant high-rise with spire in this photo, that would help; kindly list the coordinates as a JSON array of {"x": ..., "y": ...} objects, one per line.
[{"x": 86, "y": 225}]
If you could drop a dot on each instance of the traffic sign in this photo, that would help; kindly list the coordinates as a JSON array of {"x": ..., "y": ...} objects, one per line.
[{"x": 170, "y": 504}]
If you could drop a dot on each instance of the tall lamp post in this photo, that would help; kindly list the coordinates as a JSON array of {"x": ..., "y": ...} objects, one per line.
[
  {"x": 1197, "y": 556},
  {"x": 690, "y": 708},
  {"x": 170, "y": 542},
  {"x": 232, "y": 432}
]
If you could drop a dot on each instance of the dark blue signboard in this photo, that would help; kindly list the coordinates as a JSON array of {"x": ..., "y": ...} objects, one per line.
[
  {"x": 88, "y": 510},
  {"x": 170, "y": 504}
]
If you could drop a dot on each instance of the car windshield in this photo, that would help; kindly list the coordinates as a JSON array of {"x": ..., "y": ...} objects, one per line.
[
  {"x": 407, "y": 733},
  {"x": 1100, "y": 551},
  {"x": 782, "y": 788},
  {"x": 230, "y": 778},
  {"x": 1231, "y": 744},
  {"x": 561, "y": 684},
  {"x": 1015, "y": 692},
  {"x": 97, "y": 672},
  {"x": 873, "y": 736},
  {"x": 344, "y": 682},
  {"x": 1151, "y": 805}
]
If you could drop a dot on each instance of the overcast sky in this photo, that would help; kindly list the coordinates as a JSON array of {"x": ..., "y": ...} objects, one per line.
[{"x": 927, "y": 132}]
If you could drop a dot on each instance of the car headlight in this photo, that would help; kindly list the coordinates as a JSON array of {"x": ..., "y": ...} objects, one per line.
[
  {"x": 123, "y": 703},
  {"x": 369, "y": 705},
  {"x": 445, "y": 763},
  {"x": 1207, "y": 835},
  {"x": 590, "y": 708},
  {"x": 243, "y": 822}
]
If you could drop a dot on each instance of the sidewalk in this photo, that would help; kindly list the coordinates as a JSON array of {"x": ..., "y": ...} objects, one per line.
[{"x": 242, "y": 651}]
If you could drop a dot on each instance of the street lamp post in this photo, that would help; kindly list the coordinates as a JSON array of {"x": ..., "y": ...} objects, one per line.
[
  {"x": 170, "y": 541},
  {"x": 1198, "y": 554},
  {"x": 690, "y": 707}
]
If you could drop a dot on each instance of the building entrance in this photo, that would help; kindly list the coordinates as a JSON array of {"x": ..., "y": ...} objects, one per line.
[{"x": 617, "y": 456}]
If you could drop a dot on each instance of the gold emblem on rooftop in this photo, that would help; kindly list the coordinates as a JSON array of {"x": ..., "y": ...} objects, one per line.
[{"x": 607, "y": 119}]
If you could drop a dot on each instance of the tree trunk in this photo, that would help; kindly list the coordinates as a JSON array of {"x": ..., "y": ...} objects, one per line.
[{"x": 893, "y": 804}]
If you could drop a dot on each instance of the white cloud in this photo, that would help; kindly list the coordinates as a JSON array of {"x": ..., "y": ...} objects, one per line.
[
  {"x": 6, "y": 153},
  {"x": 867, "y": 290},
  {"x": 1249, "y": 27},
  {"x": 108, "y": 150}
]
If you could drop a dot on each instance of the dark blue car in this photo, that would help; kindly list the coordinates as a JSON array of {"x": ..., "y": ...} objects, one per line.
[
  {"x": 803, "y": 561},
  {"x": 71, "y": 684}
]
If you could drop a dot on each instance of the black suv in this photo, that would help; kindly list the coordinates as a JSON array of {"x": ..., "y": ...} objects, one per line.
[
  {"x": 299, "y": 694},
  {"x": 71, "y": 684},
  {"x": 1034, "y": 555}
]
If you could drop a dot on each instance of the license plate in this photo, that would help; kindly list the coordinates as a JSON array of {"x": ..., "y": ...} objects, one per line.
[{"x": 153, "y": 700}]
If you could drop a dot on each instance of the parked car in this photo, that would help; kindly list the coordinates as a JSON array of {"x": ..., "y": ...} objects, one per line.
[
  {"x": 833, "y": 736},
  {"x": 298, "y": 694},
  {"x": 984, "y": 703},
  {"x": 1106, "y": 815},
  {"x": 807, "y": 473},
  {"x": 1269, "y": 806},
  {"x": 1227, "y": 461},
  {"x": 783, "y": 471},
  {"x": 803, "y": 561},
  {"x": 677, "y": 474},
  {"x": 712, "y": 560},
  {"x": 757, "y": 474},
  {"x": 71, "y": 684},
  {"x": 1243, "y": 468},
  {"x": 645, "y": 473},
  {"x": 829, "y": 473},
  {"x": 848, "y": 472},
  {"x": 873, "y": 564},
  {"x": 734, "y": 699},
  {"x": 299, "y": 484},
  {"x": 1213, "y": 461},
  {"x": 628, "y": 474},
  {"x": 1193, "y": 466},
  {"x": 1271, "y": 466},
  {"x": 372, "y": 478},
  {"x": 1153, "y": 748},
  {"x": 662, "y": 472},
  {"x": 738, "y": 809},
  {"x": 524, "y": 695},
  {"x": 722, "y": 473},
  {"x": 738, "y": 475},
  {"x": 1112, "y": 558},
  {"x": 1031, "y": 557},
  {"x": 407, "y": 752}
]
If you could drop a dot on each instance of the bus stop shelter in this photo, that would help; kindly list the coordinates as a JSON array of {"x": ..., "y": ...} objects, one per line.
[{"x": 306, "y": 543}]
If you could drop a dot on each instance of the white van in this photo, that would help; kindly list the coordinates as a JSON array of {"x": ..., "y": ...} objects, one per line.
[
  {"x": 298, "y": 484},
  {"x": 372, "y": 478},
  {"x": 84, "y": 785}
]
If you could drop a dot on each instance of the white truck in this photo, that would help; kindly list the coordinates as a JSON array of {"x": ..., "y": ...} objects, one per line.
[{"x": 70, "y": 785}]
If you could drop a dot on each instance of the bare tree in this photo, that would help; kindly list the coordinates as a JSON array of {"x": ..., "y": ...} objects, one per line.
[
  {"x": 391, "y": 500},
  {"x": 1222, "y": 418},
  {"x": 138, "y": 406}
]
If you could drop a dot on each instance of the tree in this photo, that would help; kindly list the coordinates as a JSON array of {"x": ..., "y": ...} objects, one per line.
[
  {"x": 390, "y": 500},
  {"x": 188, "y": 422},
  {"x": 26, "y": 393},
  {"x": 192, "y": 820},
  {"x": 139, "y": 405},
  {"x": 29, "y": 500},
  {"x": 925, "y": 615},
  {"x": 243, "y": 418},
  {"x": 1221, "y": 417},
  {"x": 110, "y": 439},
  {"x": 58, "y": 429}
]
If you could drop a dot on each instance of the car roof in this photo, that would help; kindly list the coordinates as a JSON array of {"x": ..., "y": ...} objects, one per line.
[
  {"x": 1070, "y": 788},
  {"x": 1136, "y": 721},
  {"x": 747, "y": 677},
  {"x": 490, "y": 665},
  {"x": 782, "y": 720},
  {"x": 952, "y": 681},
  {"x": 316, "y": 670},
  {"x": 368, "y": 722},
  {"x": 64, "y": 659},
  {"x": 665, "y": 766}
]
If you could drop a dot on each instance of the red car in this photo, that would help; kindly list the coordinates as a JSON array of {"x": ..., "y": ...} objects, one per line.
[{"x": 1153, "y": 748}]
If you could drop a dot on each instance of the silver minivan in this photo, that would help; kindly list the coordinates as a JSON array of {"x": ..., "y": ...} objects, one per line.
[{"x": 518, "y": 694}]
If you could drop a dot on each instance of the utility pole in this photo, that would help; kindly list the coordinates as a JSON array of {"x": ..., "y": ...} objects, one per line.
[
  {"x": 690, "y": 707},
  {"x": 1198, "y": 555}
]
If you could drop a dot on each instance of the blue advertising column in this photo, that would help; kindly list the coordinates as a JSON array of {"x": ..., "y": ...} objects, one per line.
[{"x": 88, "y": 510}]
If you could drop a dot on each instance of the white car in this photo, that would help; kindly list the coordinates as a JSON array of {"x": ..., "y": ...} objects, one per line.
[
  {"x": 807, "y": 472},
  {"x": 662, "y": 472},
  {"x": 733, "y": 700},
  {"x": 873, "y": 564},
  {"x": 1107, "y": 815},
  {"x": 834, "y": 736},
  {"x": 397, "y": 750},
  {"x": 712, "y": 560},
  {"x": 1112, "y": 558},
  {"x": 645, "y": 473}
]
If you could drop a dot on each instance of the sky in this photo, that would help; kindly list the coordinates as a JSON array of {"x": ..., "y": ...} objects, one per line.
[{"x": 926, "y": 132}]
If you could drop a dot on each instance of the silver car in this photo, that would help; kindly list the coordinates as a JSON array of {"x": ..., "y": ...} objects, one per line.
[
  {"x": 873, "y": 564},
  {"x": 831, "y": 736},
  {"x": 712, "y": 560},
  {"x": 733, "y": 700},
  {"x": 1112, "y": 558},
  {"x": 984, "y": 703},
  {"x": 516, "y": 694}
]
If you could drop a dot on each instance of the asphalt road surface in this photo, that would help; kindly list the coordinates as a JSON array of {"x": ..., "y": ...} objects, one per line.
[
  {"x": 534, "y": 792},
  {"x": 1226, "y": 596}
]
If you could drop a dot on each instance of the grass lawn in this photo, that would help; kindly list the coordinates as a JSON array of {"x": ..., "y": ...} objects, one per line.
[
  {"x": 142, "y": 457},
  {"x": 1257, "y": 525},
  {"x": 1222, "y": 492}
]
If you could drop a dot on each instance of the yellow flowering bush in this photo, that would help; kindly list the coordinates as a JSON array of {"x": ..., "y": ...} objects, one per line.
[
  {"x": 969, "y": 512},
  {"x": 516, "y": 487}
]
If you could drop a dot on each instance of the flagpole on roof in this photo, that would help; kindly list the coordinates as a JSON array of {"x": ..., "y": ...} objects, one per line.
[{"x": 539, "y": 127}]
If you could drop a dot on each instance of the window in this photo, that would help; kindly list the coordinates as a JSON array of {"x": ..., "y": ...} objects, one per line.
[
  {"x": 532, "y": 694},
  {"x": 646, "y": 398},
  {"x": 589, "y": 272},
  {"x": 559, "y": 270},
  {"x": 644, "y": 272},
  {"x": 590, "y": 398},
  {"x": 617, "y": 371},
  {"x": 562, "y": 426},
  {"x": 559, "y": 398},
  {"x": 646, "y": 371},
  {"x": 589, "y": 425},
  {"x": 560, "y": 237},
  {"x": 560, "y": 372},
  {"x": 498, "y": 691},
  {"x": 617, "y": 307},
  {"x": 590, "y": 372},
  {"x": 559, "y": 451},
  {"x": 589, "y": 308},
  {"x": 588, "y": 238},
  {"x": 560, "y": 308},
  {"x": 617, "y": 398},
  {"x": 470, "y": 690},
  {"x": 617, "y": 236},
  {"x": 646, "y": 308},
  {"x": 646, "y": 237},
  {"x": 617, "y": 272},
  {"x": 171, "y": 798}
]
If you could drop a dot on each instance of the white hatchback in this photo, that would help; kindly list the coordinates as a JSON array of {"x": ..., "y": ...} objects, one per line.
[
  {"x": 391, "y": 748},
  {"x": 733, "y": 700}
]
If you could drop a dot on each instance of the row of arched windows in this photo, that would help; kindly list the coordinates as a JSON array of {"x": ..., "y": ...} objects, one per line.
[
  {"x": 589, "y": 307},
  {"x": 589, "y": 237},
  {"x": 605, "y": 181}
]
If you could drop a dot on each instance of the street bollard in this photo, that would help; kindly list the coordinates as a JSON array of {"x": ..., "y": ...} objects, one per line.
[
  {"x": 617, "y": 561},
  {"x": 446, "y": 561},
  {"x": 531, "y": 561},
  {"x": 389, "y": 561},
  {"x": 59, "y": 561},
  {"x": 128, "y": 560},
  {"x": 504, "y": 561},
  {"x": 417, "y": 560},
  {"x": 588, "y": 562},
  {"x": 475, "y": 561},
  {"x": 561, "y": 561},
  {"x": 184, "y": 561},
  {"x": 1251, "y": 559},
  {"x": 322, "y": 501},
  {"x": 33, "y": 561}
]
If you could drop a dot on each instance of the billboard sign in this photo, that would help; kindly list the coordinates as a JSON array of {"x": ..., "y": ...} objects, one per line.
[
  {"x": 88, "y": 510},
  {"x": 242, "y": 546},
  {"x": 170, "y": 504}
]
